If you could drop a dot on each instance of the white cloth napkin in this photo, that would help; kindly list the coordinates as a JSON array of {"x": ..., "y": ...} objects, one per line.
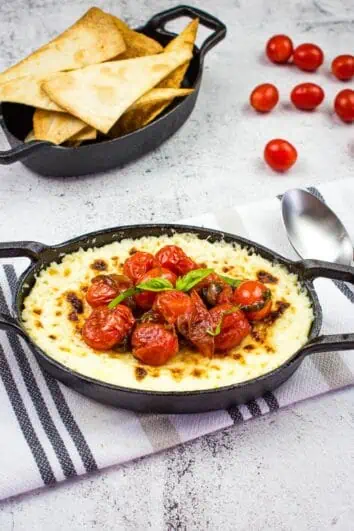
[{"x": 50, "y": 433}]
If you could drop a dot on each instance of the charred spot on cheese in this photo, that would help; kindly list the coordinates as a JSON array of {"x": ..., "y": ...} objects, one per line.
[
  {"x": 215, "y": 367},
  {"x": 84, "y": 288},
  {"x": 140, "y": 373},
  {"x": 248, "y": 347},
  {"x": 73, "y": 316},
  {"x": 99, "y": 265},
  {"x": 226, "y": 269},
  {"x": 52, "y": 336},
  {"x": 133, "y": 250},
  {"x": 75, "y": 302},
  {"x": 280, "y": 307},
  {"x": 58, "y": 313},
  {"x": 267, "y": 278},
  {"x": 198, "y": 373},
  {"x": 177, "y": 373},
  {"x": 37, "y": 311},
  {"x": 38, "y": 324},
  {"x": 52, "y": 271}
]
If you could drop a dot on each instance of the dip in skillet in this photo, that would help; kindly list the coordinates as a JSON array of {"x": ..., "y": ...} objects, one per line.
[{"x": 168, "y": 313}]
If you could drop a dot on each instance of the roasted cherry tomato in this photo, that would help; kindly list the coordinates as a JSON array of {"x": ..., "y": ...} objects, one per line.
[
  {"x": 105, "y": 328},
  {"x": 264, "y": 97},
  {"x": 254, "y": 298},
  {"x": 104, "y": 288},
  {"x": 211, "y": 289},
  {"x": 174, "y": 258},
  {"x": 172, "y": 304},
  {"x": 344, "y": 105},
  {"x": 343, "y": 67},
  {"x": 307, "y": 96},
  {"x": 280, "y": 155},
  {"x": 308, "y": 57},
  {"x": 154, "y": 344},
  {"x": 233, "y": 325},
  {"x": 279, "y": 49},
  {"x": 225, "y": 295},
  {"x": 138, "y": 264},
  {"x": 194, "y": 326},
  {"x": 145, "y": 299}
]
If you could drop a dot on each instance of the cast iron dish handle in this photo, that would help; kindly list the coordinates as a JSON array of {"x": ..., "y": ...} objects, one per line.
[
  {"x": 31, "y": 250},
  {"x": 311, "y": 269},
  {"x": 158, "y": 23},
  {"x": 22, "y": 151}
]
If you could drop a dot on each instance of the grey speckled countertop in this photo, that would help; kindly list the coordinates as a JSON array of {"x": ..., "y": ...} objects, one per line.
[{"x": 293, "y": 470}]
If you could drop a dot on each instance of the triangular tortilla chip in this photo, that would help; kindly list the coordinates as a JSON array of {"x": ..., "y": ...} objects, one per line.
[
  {"x": 99, "y": 94},
  {"x": 185, "y": 40},
  {"x": 137, "y": 44},
  {"x": 142, "y": 111},
  {"x": 94, "y": 38},
  {"x": 56, "y": 127},
  {"x": 30, "y": 137},
  {"x": 86, "y": 134},
  {"x": 27, "y": 90}
]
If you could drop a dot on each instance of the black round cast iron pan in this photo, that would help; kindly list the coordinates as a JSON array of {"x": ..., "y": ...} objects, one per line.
[
  {"x": 172, "y": 402},
  {"x": 59, "y": 161}
]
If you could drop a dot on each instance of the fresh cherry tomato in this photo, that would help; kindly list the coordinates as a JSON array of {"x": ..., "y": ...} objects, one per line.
[
  {"x": 154, "y": 344},
  {"x": 264, "y": 97},
  {"x": 195, "y": 325},
  {"x": 104, "y": 288},
  {"x": 280, "y": 155},
  {"x": 174, "y": 258},
  {"x": 308, "y": 57},
  {"x": 343, "y": 67},
  {"x": 279, "y": 49},
  {"x": 344, "y": 105},
  {"x": 145, "y": 299},
  {"x": 254, "y": 298},
  {"x": 172, "y": 304},
  {"x": 138, "y": 264},
  {"x": 105, "y": 328},
  {"x": 234, "y": 326},
  {"x": 307, "y": 96}
]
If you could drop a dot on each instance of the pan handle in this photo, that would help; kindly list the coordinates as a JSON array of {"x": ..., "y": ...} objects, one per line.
[
  {"x": 31, "y": 250},
  {"x": 22, "y": 151},
  {"x": 9, "y": 323},
  {"x": 159, "y": 21},
  {"x": 311, "y": 269}
]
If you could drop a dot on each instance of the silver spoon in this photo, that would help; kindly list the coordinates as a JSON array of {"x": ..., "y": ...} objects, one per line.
[{"x": 314, "y": 230}]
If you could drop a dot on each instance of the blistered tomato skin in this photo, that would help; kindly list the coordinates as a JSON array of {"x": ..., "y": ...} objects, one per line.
[
  {"x": 254, "y": 299},
  {"x": 307, "y": 96},
  {"x": 146, "y": 299},
  {"x": 154, "y": 344},
  {"x": 195, "y": 324},
  {"x": 344, "y": 105},
  {"x": 104, "y": 288},
  {"x": 308, "y": 57},
  {"x": 280, "y": 155},
  {"x": 138, "y": 264},
  {"x": 279, "y": 49},
  {"x": 106, "y": 328},
  {"x": 174, "y": 258},
  {"x": 264, "y": 97},
  {"x": 171, "y": 304},
  {"x": 343, "y": 67},
  {"x": 234, "y": 326}
]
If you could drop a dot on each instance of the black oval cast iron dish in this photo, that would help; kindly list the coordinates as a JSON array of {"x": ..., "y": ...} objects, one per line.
[
  {"x": 45, "y": 158},
  {"x": 172, "y": 402}
]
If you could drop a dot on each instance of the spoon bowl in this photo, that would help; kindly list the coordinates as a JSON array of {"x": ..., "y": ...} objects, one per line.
[{"x": 314, "y": 230}]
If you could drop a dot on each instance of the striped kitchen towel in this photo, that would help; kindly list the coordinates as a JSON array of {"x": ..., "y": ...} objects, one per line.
[{"x": 50, "y": 433}]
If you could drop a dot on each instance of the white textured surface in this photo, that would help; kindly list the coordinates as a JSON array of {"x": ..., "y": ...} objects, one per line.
[{"x": 289, "y": 471}]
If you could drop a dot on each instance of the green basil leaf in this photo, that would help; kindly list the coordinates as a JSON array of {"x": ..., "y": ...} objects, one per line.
[
  {"x": 191, "y": 279},
  {"x": 233, "y": 282},
  {"x": 155, "y": 284},
  {"x": 121, "y": 297}
]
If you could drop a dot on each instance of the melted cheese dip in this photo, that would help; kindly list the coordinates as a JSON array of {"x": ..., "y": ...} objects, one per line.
[{"x": 55, "y": 310}]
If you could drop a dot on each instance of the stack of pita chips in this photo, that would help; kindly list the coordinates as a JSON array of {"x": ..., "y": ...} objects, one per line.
[{"x": 98, "y": 77}]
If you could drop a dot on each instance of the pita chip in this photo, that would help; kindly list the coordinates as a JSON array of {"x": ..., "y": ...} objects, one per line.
[
  {"x": 27, "y": 90},
  {"x": 145, "y": 109},
  {"x": 100, "y": 94},
  {"x": 94, "y": 38},
  {"x": 56, "y": 127},
  {"x": 137, "y": 44}
]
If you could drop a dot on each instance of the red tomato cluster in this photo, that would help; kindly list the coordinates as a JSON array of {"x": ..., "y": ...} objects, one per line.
[
  {"x": 210, "y": 315},
  {"x": 279, "y": 154}
]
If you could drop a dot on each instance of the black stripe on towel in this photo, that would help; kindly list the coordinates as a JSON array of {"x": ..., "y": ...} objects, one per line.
[
  {"x": 61, "y": 404},
  {"x": 271, "y": 401},
  {"x": 38, "y": 401},
  {"x": 25, "y": 423},
  {"x": 254, "y": 408},
  {"x": 235, "y": 414}
]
